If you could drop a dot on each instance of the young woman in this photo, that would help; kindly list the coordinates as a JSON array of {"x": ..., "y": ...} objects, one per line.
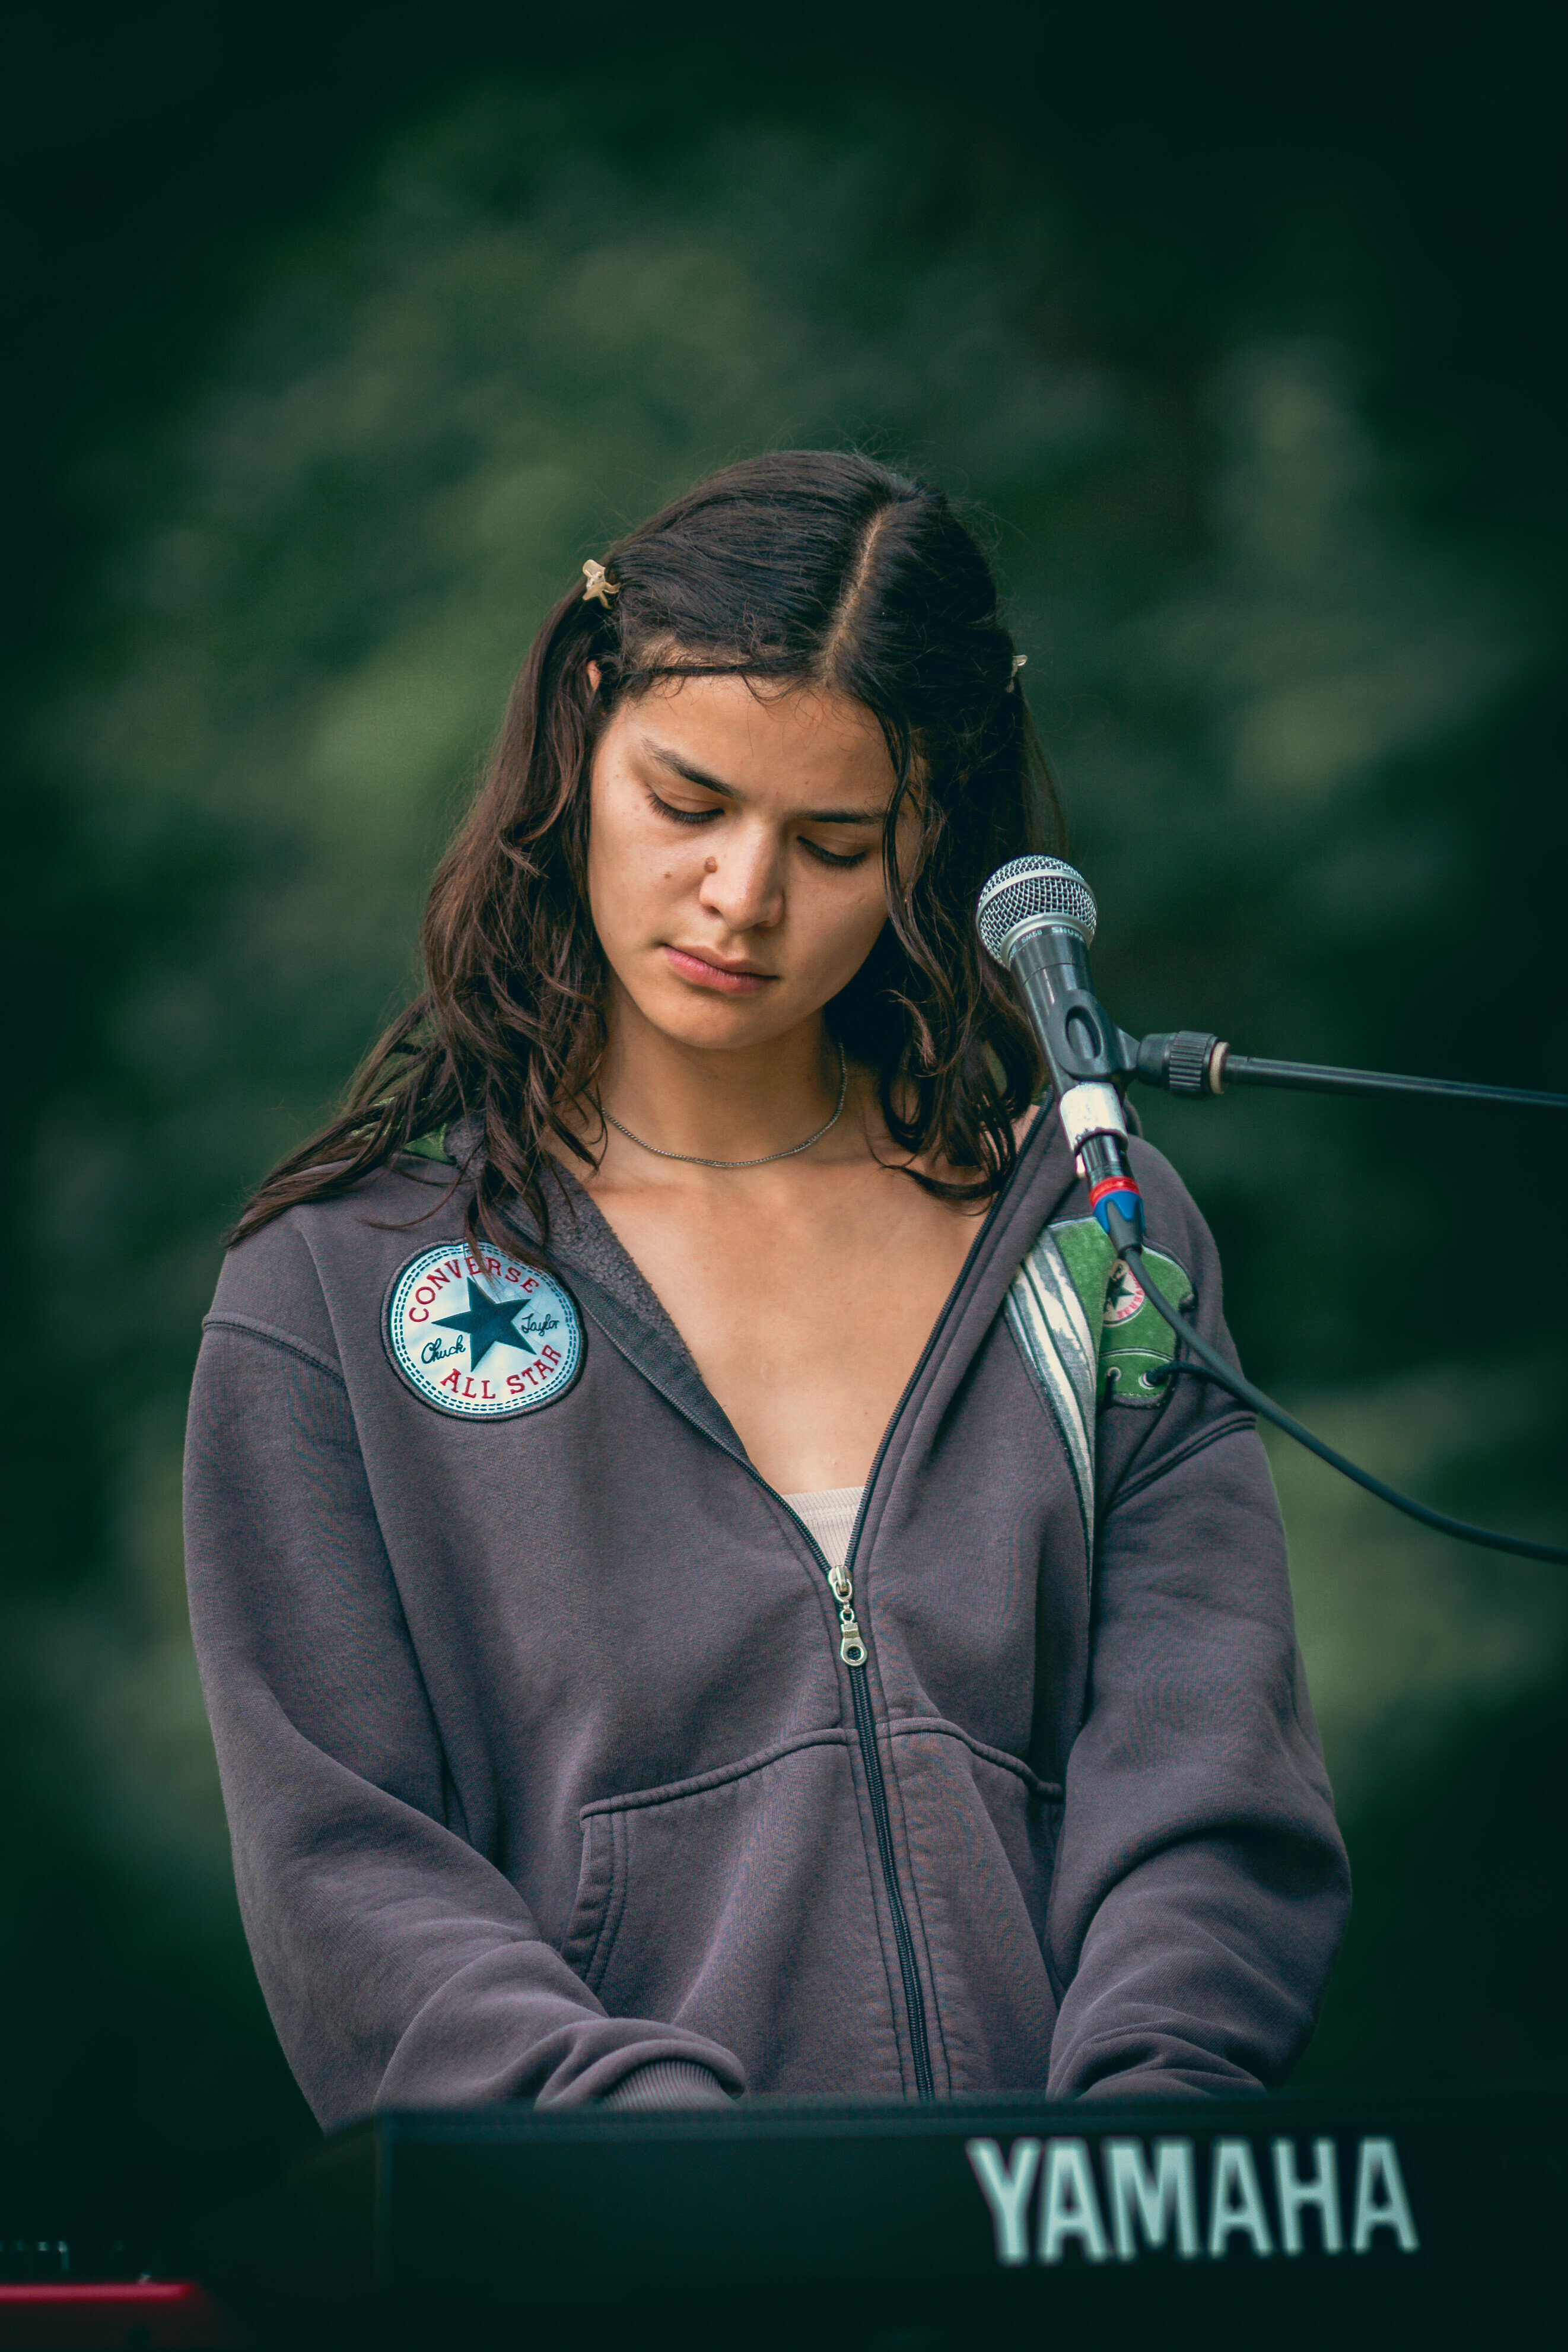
[{"x": 697, "y": 1591}]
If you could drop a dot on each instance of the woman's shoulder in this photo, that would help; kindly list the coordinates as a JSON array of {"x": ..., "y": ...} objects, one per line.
[
  {"x": 290, "y": 1277},
  {"x": 1158, "y": 1176}
]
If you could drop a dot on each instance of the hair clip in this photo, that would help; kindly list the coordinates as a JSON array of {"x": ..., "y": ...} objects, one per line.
[
  {"x": 1019, "y": 661},
  {"x": 598, "y": 586}
]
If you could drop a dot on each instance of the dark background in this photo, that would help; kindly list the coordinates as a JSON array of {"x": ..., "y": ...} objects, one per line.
[{"x": 339, "y": 341}]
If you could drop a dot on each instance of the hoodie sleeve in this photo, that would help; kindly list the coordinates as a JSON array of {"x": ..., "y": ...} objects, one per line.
[
  {"x": 400, "y": 1967},
  {"x": 1201, "y": 1885}
]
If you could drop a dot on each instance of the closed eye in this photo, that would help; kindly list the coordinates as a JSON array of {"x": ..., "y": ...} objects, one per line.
[
  {"x": 833, "y": 856},
  {"x": 679, "y": 815}
]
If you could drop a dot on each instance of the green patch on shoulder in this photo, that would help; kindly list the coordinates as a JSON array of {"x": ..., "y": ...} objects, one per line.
[
  {"x": 428, "y": 1147},
  {"x": 1133, "y": 1339}
]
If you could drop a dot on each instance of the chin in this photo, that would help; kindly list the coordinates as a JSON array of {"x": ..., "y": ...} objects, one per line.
[
  {"x": 714, "y": 1036},
  {"x": 702, "y": 1018}
]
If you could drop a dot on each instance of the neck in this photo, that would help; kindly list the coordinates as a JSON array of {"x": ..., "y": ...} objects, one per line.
[{"x": 732, "y": 1103}]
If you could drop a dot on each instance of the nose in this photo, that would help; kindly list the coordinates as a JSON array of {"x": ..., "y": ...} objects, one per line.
[{"x": 743, "y": 881}]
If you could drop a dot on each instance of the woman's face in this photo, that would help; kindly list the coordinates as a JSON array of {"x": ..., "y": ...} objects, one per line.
[{"x": 734, "y": 864}]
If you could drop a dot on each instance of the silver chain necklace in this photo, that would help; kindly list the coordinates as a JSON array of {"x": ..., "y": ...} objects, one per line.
[{"x": 695, "y": 1160}]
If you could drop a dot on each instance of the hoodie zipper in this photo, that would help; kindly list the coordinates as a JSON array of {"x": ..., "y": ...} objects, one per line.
[
  {"x": 914, "y": 1998},
  {"x": 852, "y": 1649},
  {"x": 841, "y": 1586},
  {"x": 852, "y": 1638},
  {"x": 854, "y": 1653}
]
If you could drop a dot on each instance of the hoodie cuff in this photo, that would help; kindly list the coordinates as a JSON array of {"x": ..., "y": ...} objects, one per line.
[{"x": 666, "y": 2083}]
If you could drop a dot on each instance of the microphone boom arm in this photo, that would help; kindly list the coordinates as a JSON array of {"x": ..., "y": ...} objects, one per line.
[{"x": 1189, "y": 1061}]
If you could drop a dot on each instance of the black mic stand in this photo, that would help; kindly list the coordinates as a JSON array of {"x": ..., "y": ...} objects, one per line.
[{"x": 1188, "y": 1062}]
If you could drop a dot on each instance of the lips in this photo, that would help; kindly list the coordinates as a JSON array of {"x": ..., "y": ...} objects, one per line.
[{"x": 707, "y": 972}]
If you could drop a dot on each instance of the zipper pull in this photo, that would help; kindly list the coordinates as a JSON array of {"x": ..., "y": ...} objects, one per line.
[{"x": 851, "y": 1648}]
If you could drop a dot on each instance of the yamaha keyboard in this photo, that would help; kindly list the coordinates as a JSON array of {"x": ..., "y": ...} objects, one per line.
[{"x": 970, "y": 2223}]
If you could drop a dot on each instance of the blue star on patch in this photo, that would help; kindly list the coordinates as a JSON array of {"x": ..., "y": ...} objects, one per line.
[{"x": 490, "y": 1323}]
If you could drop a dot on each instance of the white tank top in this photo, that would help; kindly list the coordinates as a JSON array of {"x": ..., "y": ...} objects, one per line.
[{"x": 829, "y": 1514}]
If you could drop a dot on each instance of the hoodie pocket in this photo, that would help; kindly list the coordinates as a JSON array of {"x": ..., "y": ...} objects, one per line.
[{"x": 739, "y": 1905}]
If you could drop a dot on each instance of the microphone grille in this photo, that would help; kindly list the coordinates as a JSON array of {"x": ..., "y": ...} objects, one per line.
[{"x": 1028, "y": 890}]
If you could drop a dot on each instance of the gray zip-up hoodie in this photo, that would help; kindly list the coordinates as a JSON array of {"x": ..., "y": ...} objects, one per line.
[{"x": 547, "y": 1773}]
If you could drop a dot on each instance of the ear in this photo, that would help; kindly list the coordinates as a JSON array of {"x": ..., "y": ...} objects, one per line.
[{"x": 594, "y": 674}]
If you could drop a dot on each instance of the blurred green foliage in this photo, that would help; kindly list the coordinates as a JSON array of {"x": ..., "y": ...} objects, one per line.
[{"x": 307, "y": 449}]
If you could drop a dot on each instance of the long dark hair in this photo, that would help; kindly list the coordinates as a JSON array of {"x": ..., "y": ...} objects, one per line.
[{"x": 806, "y": 567}]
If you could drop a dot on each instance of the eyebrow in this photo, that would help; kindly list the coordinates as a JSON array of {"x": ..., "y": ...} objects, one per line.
[{"x": 666, "y": 758}]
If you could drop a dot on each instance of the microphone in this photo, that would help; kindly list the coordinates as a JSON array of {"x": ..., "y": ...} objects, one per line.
[{"x": 1037, "y": 918}]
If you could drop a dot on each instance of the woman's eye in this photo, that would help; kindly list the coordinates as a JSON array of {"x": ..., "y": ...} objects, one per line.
[
  {"x": 681, "y": 815},
  {"x": 833, "y": 856}
]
